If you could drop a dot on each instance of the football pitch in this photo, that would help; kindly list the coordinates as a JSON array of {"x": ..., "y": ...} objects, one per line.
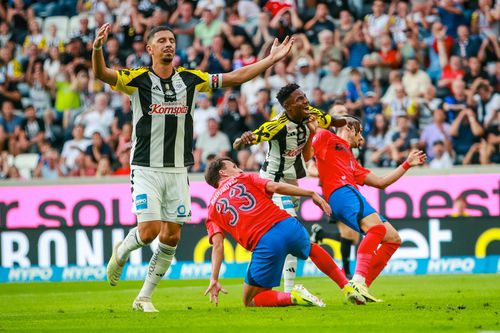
[{"x": 451, "y": 303}]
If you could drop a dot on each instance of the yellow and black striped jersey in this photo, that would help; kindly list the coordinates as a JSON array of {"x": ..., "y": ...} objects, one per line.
[
  {"x": 162, "y": 113},
  {"x": 287, "y": 139}
]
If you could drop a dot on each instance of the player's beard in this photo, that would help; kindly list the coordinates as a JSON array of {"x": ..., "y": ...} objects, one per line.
[{"x": 167, "y": 59}]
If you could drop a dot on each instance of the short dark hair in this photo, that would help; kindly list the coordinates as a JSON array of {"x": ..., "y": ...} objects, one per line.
[
  {"x": 285, "y": 92},
  {"x": 158, "y": 29},
  {"x": 212, "y": 175}
]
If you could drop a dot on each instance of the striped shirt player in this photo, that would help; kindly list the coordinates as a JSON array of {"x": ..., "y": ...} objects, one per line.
[{"x": 162, "y": 136}]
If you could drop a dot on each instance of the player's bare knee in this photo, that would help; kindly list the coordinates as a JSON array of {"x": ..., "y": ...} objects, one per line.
[
  {"x": 393, "y": 237},
  {"x": 170, "y": 239},
  {"x": 148, "y": 235}
]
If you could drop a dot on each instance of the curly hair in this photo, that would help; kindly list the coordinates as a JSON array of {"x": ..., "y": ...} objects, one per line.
[{"x": 285, "y": 92}]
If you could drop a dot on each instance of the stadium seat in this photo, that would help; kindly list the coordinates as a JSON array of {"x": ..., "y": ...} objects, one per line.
[
  {"x": 26, "y": 163},
  {"x": 61, "y": 22}
]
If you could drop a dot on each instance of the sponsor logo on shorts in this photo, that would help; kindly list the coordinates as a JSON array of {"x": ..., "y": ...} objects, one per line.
[
  {"x": 181, "y": 211},
  {"x": 141, "y": 201}
]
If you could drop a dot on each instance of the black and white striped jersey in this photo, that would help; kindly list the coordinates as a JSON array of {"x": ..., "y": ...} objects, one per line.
[
  {"x": 287, "y": 139},
  {"x": 162, "y": 109}
]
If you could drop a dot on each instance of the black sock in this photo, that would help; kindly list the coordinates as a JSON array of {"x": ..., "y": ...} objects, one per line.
[{"x": 345, "y": 250}]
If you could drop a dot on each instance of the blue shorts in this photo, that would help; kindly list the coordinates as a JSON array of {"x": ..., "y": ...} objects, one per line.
[
  {"x": 286, "y": 237},
  {"x": 350, "y": 206}
]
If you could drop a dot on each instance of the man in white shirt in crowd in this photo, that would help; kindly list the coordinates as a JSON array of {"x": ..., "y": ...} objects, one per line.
[
  {"x": 98, "y": 118},
  {"x": 210, "y": 142}
]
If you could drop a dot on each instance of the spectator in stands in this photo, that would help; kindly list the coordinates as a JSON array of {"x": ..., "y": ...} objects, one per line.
[
  {"x": 19, "y": 14},
  {"x": 490, "y": 152},
  {"x": 202, "y": 114},
  {"x": 322, "y": 21},
  {"x": 395, "y": 79},
  {"x": 74, "y": 148},
  {"x": 356, "y": 46},
  {"x": 216, "y": 6},
  {"x": 415, "y": 81},
  {"x": 124, "y": 164},
  {"x": 98, "y": 118},
  {"x": 371, "y": 107},
  {"x": 485, "y": 20},
  {"x": 38, "y": 86},
  {"x": 487, "y": 102},
  {"x": 474, "y": 72},
  {"x": 301, "y": 49},
  {"x": 262, "y": 110},
  {"x": 465, "y": 131},
  {"x": 377, "y": 152},
  {"x": 305, "y": 76},
  {"x": 413, "y": 47},
  {"x": 96, "y": 151},
  {"x": 379, "y": 64},
  {"x": 403, "y": 140},
  {"x": 438, "y": 32},
  {"x": 452, "y": 70},
  {"x": 402, "y": 105},
  {"x": 34, "y": 36},
  {"x": 210, "y": 142},
  {"x": 30, "y": 132},
  {"x": 286, "y": 22},
  {"x": 216, "y": 59},
  {"x": 378, "y": 23},
  {"x": 86, "y": 34},
  {"x": 13, "y": 173},
  {"x": 9, "y": 121},
  {"x": 441, "y": 159},
  {"x": 53, "y": 39},
  {"x": 250, "y": 90},
  {"x": 49, "y": 166},
  {"x": 465, "y": 45},
  {"x": 356, "y": 89},
  {"x": 334, "y": 84},
  {"x": 5, "y": 35},
  {"x": 104, "y": 168},
  {"x": 112, "y": 52},
  {"x": 183, "y": 23},
  {"x": 438, "y": 130},
  {"x": 139, "y": 58},
  {"x": 206, "y": 29},
  {"x": 398, "y": 21},
  {"x": 327, "y": 50},
  {"x": 4, "y": 165},
  {"x": 233, "y": 114},
  {"x": 427, "y": 105},
  {"x": 451, "y": 15},
  {"x": 455, "y": 102},
  {"x": 124, "y": 139}
]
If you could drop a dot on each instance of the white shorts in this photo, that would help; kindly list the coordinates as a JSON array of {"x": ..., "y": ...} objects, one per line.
[
  {"x": 287, "y": 203},
  {"x": 160, "y": 195}
]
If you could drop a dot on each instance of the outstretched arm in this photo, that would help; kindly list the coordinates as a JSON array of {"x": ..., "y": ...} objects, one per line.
[
  {"x": 102, "y": 72},
  {"x": 244, "y": 74},
  {"x": 287, "y": 189},
  {"x": 217, "y": 255},
  {"x": 416, "y": 157}
]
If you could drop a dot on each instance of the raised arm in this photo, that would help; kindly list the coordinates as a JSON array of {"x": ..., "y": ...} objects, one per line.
[
  {"x": 244, "y": 74},
  {"x": 287, "y": 189},
  {"x": 416, "y": 157},
  {"x": 102, "y": 72},
  {"x": 217, "y": 255}
]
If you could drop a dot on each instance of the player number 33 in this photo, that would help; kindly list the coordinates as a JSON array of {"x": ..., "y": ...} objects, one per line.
[{"x": 240, "y": 192}]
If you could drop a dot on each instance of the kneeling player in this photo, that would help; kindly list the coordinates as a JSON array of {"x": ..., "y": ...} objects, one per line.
[{"x": 242, "y": 207}]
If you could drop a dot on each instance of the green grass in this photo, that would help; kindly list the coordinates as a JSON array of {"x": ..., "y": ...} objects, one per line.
[{"x": 460, "y": 303}]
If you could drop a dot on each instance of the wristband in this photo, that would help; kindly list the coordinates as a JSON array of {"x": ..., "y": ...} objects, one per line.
[
  {"x": 97, "y": 48},
  {"x": 406, "y": 165}
]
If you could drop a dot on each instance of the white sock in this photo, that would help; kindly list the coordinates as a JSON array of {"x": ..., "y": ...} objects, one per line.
[
  {"x": 289, "y": 272},
  {"x": 358, "y": 279},
  {"x": 131, "y": 242},
  {"x": 158, "y": 266}
]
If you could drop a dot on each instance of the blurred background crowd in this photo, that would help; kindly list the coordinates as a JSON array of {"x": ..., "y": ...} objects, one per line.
[{"x": 420, "y": 74}]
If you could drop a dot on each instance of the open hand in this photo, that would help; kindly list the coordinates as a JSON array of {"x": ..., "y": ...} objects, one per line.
[
  {"x": 102, "y": 35},
  {"x": 214, "y": 288},
  {"x": 416, "y": 157},
  {"x": 279, "y": 51}
]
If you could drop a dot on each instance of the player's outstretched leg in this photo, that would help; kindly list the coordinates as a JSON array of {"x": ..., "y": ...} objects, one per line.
[
  {"x": 374, "y": 236},
  {"x": 325, "y": 263},
  {"x": 121, "y": 253},
  {"x": 289, "y": 272}
]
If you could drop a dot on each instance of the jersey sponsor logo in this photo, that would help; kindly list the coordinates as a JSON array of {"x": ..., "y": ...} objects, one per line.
[
  {"x": 294, "y": 152},
  {"x": 168, "y": 108},
  {"x": 141, "y": 201}
]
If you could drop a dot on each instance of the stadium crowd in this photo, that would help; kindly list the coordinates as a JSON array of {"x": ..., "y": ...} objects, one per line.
[{"x": 419, "y": 74}]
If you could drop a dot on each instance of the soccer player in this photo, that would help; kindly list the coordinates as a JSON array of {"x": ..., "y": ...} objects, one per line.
[
  {"x": 339, "y": 174},
  {"x": 162, "y": 100},
  {"x": 290, "y": 137},
  {"x": 242, "y": 207}
]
